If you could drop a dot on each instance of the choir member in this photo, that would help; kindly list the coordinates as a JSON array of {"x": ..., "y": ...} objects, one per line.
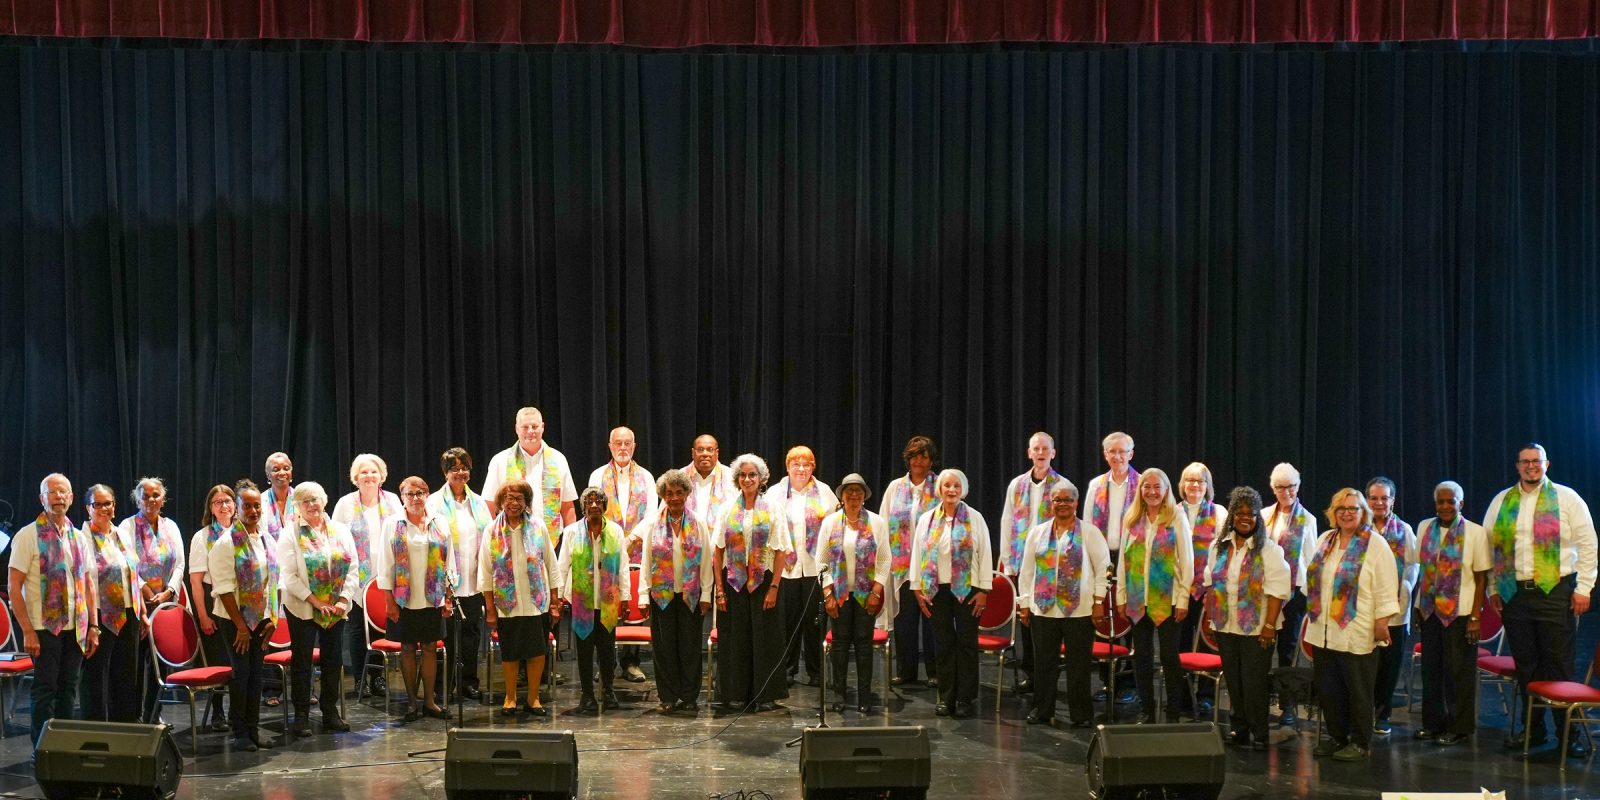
[{"x": 952, "y": 572}]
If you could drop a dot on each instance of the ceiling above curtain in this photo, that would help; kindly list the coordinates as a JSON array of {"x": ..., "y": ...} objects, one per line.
[{"x": 807, "y": 23}]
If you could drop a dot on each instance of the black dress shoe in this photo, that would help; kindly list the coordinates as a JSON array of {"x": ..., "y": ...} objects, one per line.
[
  {"x": 1577, "y": 750},
  {"x": 609, "y": 701},
  {"x": 437, "y": 713},
  {"x": 1423, "y": 735},
  {"x": 1449, "y": 739},
  {"x": 1239, "y": 739},
  {"x": 1024, "y": 686},
  {"x": 1035, "y": 718},
  {"x": 686, "y": 707},
  {"x": 410, "y": 716},
  {"x": 836, "y": 706},
  {"x": 942, "y": 710},
  {"x": 770, "y": 705},
  {"x": 508, "y": 711},
  {"x": 332, "y": 723},
  {"x": 244, "y": 744},
  {"x": 588, "y": 706},
  {"x": 961, "y": 710},
  {"x": 532, "y": 711},
  {"x": 472, "y": 693},
  {"x": 1538, "y": 739},
  {"x": 263, "y": 742},
  {"x": 299, "y": 727}
]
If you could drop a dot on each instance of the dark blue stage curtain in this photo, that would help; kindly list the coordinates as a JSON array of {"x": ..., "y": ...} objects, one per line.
[
  {"x": 807, "y": 23},
  {"x": 1360, "y": 262}
]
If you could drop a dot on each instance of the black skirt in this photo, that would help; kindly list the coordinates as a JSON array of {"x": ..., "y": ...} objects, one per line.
[
  {"x": 416, "y": 626},
  {"x": 522, "y": 638}
]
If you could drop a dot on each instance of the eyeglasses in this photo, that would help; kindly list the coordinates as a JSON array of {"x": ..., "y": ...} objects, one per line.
[
  {"x": 103, "y": 504},
  {"x": 1528, "y": 462},
  {"x": 1285, "y": 487},
  {"x": 459, "y": 468},
  {"x": 414, "y": 495},
  {"x": 1346, "y": 509}
]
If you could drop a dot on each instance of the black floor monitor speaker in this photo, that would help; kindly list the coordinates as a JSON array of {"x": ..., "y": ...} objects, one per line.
[
  {"x": 849, "y": 763},
  {"x": 107, "y": 759},
  {"x": 1172, "y": 761},
  {"x": 501, "y": 764}
]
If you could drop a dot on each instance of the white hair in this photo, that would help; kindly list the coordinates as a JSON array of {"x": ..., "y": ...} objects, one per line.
[
  {"x": 355, "y": 467},
  {"x": 1285, "y": 472},
  {"x": 1460, "y": 493},
  {"x": 959, "y": 475},
  {"x": 1065, "y": 484},
  {"x": 1114, "y": 437},
  {"x": 137, "y": 495},
  {"x": 267, "y": 467},
  {"x": 44, "y": 485},
  {"x": 310, "y": 492},
  {"x": 757, "y": 461}
]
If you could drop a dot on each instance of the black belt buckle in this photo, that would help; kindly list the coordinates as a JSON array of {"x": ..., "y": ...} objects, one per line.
[{"x": 1527, "y": 585}]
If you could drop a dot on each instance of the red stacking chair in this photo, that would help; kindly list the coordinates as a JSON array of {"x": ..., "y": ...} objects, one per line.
[
  {"x": 1576, "y": 699},
  {"x": 1204, "y": 666},
  {"x": 1114, "y": 626},
  {"x": 177, "y": 644},
  {"x": 15, "y": 666},
  {"x": 997, "y": 631}
]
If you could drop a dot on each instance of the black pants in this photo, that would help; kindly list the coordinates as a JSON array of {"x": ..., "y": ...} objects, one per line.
[
  {"x": 214, "y": 649},
  {"x": 1449, "y": 677},
  {"x": 56, "y": 672},
  {"x": 750, "y": 647},
  {"x": 244, "y": 688},
  {"x": 800, "y": 599},
  {"x": 1344, "y": 691},
  {"x": 1539, "y": 630},
  {"x": 1189, "y": 640},
  {"x": 468, "y": 630},
  {"x": 913, "y": 637},
  {"x": 1146, "y": 635},
  {"x": 1247, "y": 666},
  {"x": 1049, "y": 634},
  {"x": 304, "y": 635},
  {"x": 1391, "y": 660},
  {"x": 109, "y": 689},
  {"x": 605, "y": 641},
  {"x": 956, "y": 630},
  {"x": 852, "y": 631},
  {"x": 675, "y": 636},
  {"x": 1289, "y": 635}
]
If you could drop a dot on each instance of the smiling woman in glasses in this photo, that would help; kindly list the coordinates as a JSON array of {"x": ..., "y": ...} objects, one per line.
[{"x": 1351, "y": 589}]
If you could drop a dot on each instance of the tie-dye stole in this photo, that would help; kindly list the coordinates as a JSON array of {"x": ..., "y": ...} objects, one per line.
[
  {"x": 585, "y": 596},
  {"x": 1546, "y": 540},
  {"x": 1345, "y": 577},
  {"x": 663, "y": 583},
  {"x": 1153, "y": 595},
  {"x": 1441, "y": 569},
  {"x": 1058, "y": 584}
]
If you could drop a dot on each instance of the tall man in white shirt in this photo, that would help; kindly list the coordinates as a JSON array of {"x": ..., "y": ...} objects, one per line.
[
  {"x": 630, "y": 492},
  {"x": 1026, "y": 505},
  {"x": 710, "y": 481},
  {"x": 542, "y": 466},
  {"x": 1542, "y": 541},
  {"x": 1108, "y": 497},
  {"x": 53, "y": 592}
]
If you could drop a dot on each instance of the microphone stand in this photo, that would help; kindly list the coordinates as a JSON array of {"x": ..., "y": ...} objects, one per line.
[
  {"x": 457, "y": 619},
  {"x": 822, "y": 691}
]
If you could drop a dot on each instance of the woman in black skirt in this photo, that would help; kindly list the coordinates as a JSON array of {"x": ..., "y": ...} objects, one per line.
[
  {"x": 417, "y": 570},
  {"x": 516, "y": 568}
]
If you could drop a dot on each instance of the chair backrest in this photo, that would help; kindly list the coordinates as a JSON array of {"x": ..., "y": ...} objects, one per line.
[
  {"x": 375, "y": 598},
  {"x": 1115, "y": 624},
  {"x": 1305, "y": 646},
  {"x": 632, "y": 614},
  {"x": 280, "y": 632},
  {"x": 1490, "y": 626},
  {"x": 176, "y": 637},
  {"x": 1207, "y": 634},
  {"x": 1001, "y": 606},
  {"x": 9, "y": 631}
]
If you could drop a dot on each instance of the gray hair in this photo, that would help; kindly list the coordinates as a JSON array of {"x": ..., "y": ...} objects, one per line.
[
  {"x": 1285, "y": 472},
  {"x": 1114, "y": 437},
  {"x": 267, "y": 466},
  {"x": 310, "y": 492},
  {"x": 138, "y": 489},
  {"x": 673, "y": 479},
  {"x": 355, "y": 467},
  {"x": 583, "y": 496},
  {"x": 960, "y": 476},
  {"x": 754, "y": 460},
  {"x": 1460, "y": 493},
  {"x": 44, "y": 485},
  {"x": 1066, "y": 484}
]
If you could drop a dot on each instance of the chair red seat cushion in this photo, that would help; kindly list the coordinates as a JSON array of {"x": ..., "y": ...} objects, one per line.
[
  {"x": 1564, "y": 692},
  {"x": 1504, "y": 666},
  {"x": 713, "y": 635},
  {"x": 1107, "y": 650},
  {"x": 16, "y": 667},
  {"x": 200, "y": 676},
  {"x": 1200, "y": 662},
  {"x": 879, "y": 636},
  {"x": 633, "y": 633},
  {"x": 989, "y": 644},
  {"x": 385, "y": 646}
]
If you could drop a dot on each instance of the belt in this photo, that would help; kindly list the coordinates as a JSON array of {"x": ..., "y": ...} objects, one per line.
[{"x": 1571, "y": 576}]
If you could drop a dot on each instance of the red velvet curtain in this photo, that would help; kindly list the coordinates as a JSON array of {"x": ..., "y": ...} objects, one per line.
[{"x": 807, "y": 23}]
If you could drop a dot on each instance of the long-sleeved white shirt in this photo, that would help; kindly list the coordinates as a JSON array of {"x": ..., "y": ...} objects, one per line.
[
  {"x": 794, "y": 518},
  {"x": 1117, "y": 502},
  {"x": 296, "y": 581},
  {"x": 1183, "y": 571},
  {"x": 387, "y": 510},
  {"x": 922, "y": 499},
  {"x": 160, "y": 580},
  {"x": 940, "y": 537},
  {"x": 709, "y": 492},
  {"x": 579, "y": 531},
  {"x": 625, "y": 483},
  {"x": 762, "y": 561},
  {"x": 1038, "y": 492},
  {"x": 1407, "y": 571},
  {"x": 1577, "y": 536},
  {"x": 417, "y": 544},
  {"x": 466, "y": 532},
  {"x": 1093, "y": 580},
  {"x": 1277, "y": 522},
  {"x": 223, "y": 570},
  {"x": 1377, "y": 589},
  {"x": 1274, "y": 580}
]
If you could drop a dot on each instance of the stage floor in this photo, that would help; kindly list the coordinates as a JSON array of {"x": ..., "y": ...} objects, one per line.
[{"x": 636, "y": 753}]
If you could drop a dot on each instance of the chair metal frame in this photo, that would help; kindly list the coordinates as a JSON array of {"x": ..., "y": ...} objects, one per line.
[
  {"x": 191, "y": 630},
  {"x": 1540, "y": 695},
  {"x": 1009, "y": 623}
]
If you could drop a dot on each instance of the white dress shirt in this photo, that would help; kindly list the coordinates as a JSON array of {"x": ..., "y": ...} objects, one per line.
[
  {"x": 467, "y": 533},
  {"x": 171, "y": 536},
  {"x": 25, "y": 559},
  {"x": 625, "y": 481},
  {"x": 1577, "y": 536},
  {"x": 1276, "y": 523},
  {"x": 1408, "y": 575},
  {"x": 1274, "y": 579},
  {"x": 720, "y": 481},
  {"x": 564, "y": 557},
  {"x": 1037, "y": 491},
  {"x": 1183, "y": 570},
  {"x": 533, "y": 466},
  {"x": 224, "y": 571},
  {"x": 979, "y": 561},
  {"x": 794, "y": 518},
  {"x": 387, "y": 510},
  {"x": 417, "y": 544},
  {"x": 1093, "y": 580},
  {"x": 1116, "y": 505},
  {"x": 525, "y": 606},
  {"x": 777, "y": 540}
]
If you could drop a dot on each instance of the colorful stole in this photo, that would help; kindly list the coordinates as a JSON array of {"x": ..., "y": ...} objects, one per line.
[
  {"x": 814, "y": 514},
  {"x": 1394, "y": 532},
  {"x": 436, "y": 579},
  {"x": 1022, "y": 515},
  {"x": 327, "y": 564},
  {"x": 587, "y": 598},
  {"x": 155, "y": 554},
  {"x": 1344, "y": 577},
  {"x": 1290, "y": 540},
  {"x": 960, "y": 553},
  {"x": 1161, "y": 575},
  {"x": 1251, "y": 588},
  {"x": 53, "y": 579},
  {"x": 866, "y": 557},
  {"x": 358, "y": 531},
  {"x": 1546, "y": 540},
  {"x": 741, "y": 546},
  {"x": 1441, "y": 569},
  {"x": 626, "y": 514},
  {"x": 1207, "y": 521},
  {"x": 276, "y": 522},
  {"x": 498, "y": 540},
  {"x": 904, "y": 509},
  {"x": 1054, "y": 583},
  {"x": 663, "y": 583},
  {"x": 111, "y": 564},
  {"x": 255, "y": 583},
  {"x": 549, "y": 488},
  {"x": 1100, "y": 508},
  {"x": 480, "y": 517},
  {"x": 720, "y": 485}
]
